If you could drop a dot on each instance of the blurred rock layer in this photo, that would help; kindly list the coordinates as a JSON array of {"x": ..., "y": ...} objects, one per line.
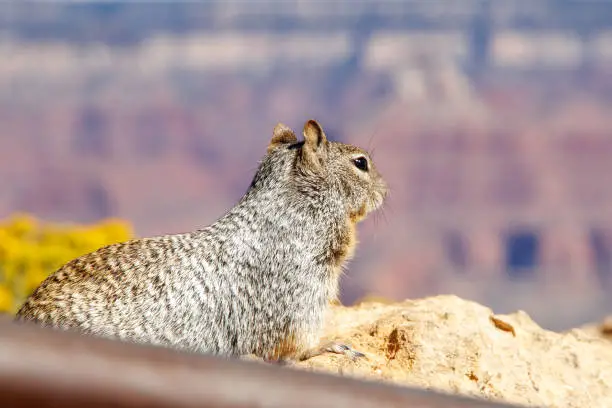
[{"x": 495, "y": 139}]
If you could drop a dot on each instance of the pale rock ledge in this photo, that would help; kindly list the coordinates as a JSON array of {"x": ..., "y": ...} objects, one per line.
[{"x": 453, "y": 345}]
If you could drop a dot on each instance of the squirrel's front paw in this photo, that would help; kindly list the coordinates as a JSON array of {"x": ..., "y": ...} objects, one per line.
[
  {"x": 340, "y": 348},
  {"x": 331, "y": 347}
]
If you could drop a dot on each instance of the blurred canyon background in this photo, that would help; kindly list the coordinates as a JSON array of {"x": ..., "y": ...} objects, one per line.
[{"x": 491, "y": 120}]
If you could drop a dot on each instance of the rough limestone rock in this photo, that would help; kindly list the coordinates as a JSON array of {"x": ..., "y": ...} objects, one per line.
[{"x": 453, "y": 345}]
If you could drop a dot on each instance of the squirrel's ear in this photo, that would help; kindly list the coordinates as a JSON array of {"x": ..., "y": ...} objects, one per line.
[
  {"x": 314, "y": 136},
  {"x": 282, "y": 134}
]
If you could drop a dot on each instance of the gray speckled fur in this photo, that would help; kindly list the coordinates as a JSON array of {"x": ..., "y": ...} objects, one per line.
[{"x": 257, "y": 281}]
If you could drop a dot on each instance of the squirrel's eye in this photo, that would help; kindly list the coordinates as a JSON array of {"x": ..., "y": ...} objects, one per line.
[{"x": 361, "y": 163}]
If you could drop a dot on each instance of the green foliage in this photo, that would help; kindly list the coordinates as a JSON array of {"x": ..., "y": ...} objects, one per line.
[{"x": 31, "y": 250}]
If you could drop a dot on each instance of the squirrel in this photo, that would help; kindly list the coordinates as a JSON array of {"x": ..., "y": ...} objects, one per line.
[{"x": 257, "y": 282}]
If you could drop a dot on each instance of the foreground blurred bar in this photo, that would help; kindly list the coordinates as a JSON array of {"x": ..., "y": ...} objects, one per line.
[{"x": 45, "y": 368}]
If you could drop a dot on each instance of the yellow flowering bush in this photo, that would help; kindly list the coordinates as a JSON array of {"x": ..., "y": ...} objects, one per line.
[{"x": 31, "y": 250}]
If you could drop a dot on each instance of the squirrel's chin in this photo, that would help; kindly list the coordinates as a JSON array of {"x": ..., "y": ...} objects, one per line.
[{"x": 368, "y": 207}]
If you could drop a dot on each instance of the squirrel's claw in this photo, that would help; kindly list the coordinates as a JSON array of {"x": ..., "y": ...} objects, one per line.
[
  {"x": 339, "y": 348},
  {"x": 331, "y": 347}
]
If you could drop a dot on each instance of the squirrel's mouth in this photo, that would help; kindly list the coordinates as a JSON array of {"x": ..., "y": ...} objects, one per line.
[
  {"x": 373, "y": 203},
  {"x": 380, "y": 195}
]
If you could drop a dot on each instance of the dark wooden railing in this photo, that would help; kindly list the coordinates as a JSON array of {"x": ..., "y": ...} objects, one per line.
[{"x": 45, "y": 368}]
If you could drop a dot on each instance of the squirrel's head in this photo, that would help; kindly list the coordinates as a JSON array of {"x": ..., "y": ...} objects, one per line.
[{"x": 325, "y": 172}]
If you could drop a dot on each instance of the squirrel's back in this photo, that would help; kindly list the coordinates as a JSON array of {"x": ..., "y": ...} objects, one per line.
[{"x": 257, "y": 281}]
